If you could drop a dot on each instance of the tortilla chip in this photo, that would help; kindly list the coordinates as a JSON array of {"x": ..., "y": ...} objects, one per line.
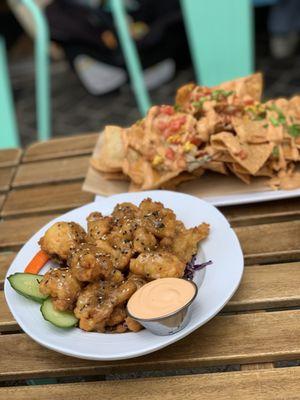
[
  {"x": 112, "y": 152},
  {"x": 216, "y": 166},
  {"x": 154, "y": 179},
  {"x": 181, "y": 178},
  {"x": 183, "y": 94},
  {"x": 242, "y": 176},
  {"x": 134, "y": 165},
  {"x": 248, "y": 86},
  {"x": 223, "y": 156},
  {"x": 250, "y": 131},
  {"x": 251, "y": 156}
]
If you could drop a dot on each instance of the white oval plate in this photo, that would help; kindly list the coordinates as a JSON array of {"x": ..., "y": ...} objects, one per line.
[{"x": 217, "y": 282}]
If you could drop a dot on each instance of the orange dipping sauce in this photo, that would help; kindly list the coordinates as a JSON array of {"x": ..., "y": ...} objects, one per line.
[{"x": 160, "y": 298}]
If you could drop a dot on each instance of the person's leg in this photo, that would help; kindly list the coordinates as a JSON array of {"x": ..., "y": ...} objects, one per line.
[{"x": 284, "y": 27}]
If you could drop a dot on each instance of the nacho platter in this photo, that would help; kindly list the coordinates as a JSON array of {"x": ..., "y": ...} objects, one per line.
[{"x": 222, "y": 144}]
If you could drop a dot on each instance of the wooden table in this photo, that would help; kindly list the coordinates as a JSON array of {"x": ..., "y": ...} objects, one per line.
[{"x": 250, "y": 341}]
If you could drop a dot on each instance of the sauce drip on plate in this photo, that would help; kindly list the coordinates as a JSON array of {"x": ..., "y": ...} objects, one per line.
[{"x": 160, "y": 297}]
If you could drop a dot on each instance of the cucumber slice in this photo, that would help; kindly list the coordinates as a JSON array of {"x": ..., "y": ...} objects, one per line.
[
  {"x": 27, "y": 285},
  {"x": 62, "y": 319}
]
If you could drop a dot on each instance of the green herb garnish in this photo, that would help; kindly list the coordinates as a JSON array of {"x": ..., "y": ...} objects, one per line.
[
  {"x": 274, "y": 121},
  {"x": 294, "y": 130},
  {"x": 216, "y": 94},
  {"x": 275, "y": 151},
  {"x": 259, "y": 117},
  {"x": 199, "y": 104},
  {"x": 177, "y": 107},
  {"x": 281, "y": 117},
  {"x": 265, "y": 126}
]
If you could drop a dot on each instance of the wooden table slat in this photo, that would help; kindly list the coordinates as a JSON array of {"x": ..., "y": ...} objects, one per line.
[
  {"x": 10, "y": 157},
  {"x": 15, "y": 232},
  {"x": 61, "y": 147},
  {"x": 266, "y": 287},
  {"x": 232, "y": 339},
  {"x": 270, "y": 242},
  {"x": 276, "y": 384},
  {"x": 45, "y": 198},
  {"x": 2, "y": 199},
  {"x": 6, "y": 176},
  {"x": 7, "y": 320},
  {"x": 6, "y": 259},
  {"x": 58, "y": 170},
  {"x": 264, "y": 212}
]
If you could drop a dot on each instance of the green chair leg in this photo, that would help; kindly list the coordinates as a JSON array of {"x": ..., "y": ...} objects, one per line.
[
  {"x": 41, "y": 70},
  {"x": 220, "y": 38},
  {"x": 131, "y": 56},
  {"x": 9, "y": 136}
]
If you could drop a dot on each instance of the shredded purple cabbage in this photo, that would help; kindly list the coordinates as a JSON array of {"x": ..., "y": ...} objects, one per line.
[{"x": 191, "y": 267}]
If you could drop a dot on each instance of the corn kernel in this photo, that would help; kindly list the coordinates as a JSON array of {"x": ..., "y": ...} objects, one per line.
[
  {"x": 158, "y": 159},
  {"x": 188, "y": 146}
]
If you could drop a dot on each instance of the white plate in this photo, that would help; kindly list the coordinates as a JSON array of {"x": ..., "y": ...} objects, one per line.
[
  {"x": 256, "y": 197},
  {"x": 217, "y": 282},
  {"x": 244, "y": 198}
]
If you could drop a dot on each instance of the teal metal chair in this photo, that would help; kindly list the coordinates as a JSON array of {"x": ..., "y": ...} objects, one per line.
[
  {"x": 131, "y": 56},
  {"x": 9, "y": 136},
  {"x": 220, "y": 38}
]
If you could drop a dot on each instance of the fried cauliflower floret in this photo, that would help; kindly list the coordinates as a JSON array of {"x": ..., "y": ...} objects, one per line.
[
  {"x": 125, "y": 211},
  {"x": 97, "y": 301},
  {"x": 155, "y": 265},
  {"x": 98, "y": 226},
  {"x": 133, "y": 325},
  {"x": 61, "y": 239},
  {"x": 62, "y": 286},
  {"x": 90, "y": 308},
  {"x": 157, "y": 219},
  {"x": 143, "y": 241},
  {"x": 117, "y": 316},
  {"x": 120, "y": 253},
  {"x": 186, "y": 241},
  {"x": 88, "y": 264}
]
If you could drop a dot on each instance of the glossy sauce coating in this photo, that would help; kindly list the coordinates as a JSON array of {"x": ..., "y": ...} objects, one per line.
[{"x": 160, "y": 298}]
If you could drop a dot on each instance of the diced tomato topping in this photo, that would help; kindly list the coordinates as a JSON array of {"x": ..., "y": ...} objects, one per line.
[
  {"x": 168, "y": 110},
  {"x": 206, "y": 91},
  {"x": 170, "y": 154},
  {"x": 162, "y": 125},
  {"x": 196, "y": 141},
  {"x": 167, "y": 133},
  {"x": 176, "y": 124},
  {"x": 248, "y": 102}
]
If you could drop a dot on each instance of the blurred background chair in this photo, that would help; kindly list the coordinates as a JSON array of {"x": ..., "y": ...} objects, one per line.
[
  {"x": 9, "y": 135},
  {"x": 220, "y": 36},
  {"x": 33, "y": 19}
]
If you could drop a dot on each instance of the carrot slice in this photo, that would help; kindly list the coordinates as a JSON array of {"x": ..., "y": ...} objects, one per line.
[{"x": 37, "y": 263}]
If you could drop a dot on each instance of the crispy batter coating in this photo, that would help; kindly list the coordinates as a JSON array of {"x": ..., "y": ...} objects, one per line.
[
  {"x": 98, "y": 226},
  {"x": 143, "y": 241},
  {"x": 155, "y": 265},
  {"x": 185, "y": 242},
  {"x": 96, "y": 303},
  {"x": 157, "y": 219},
  {"x": 61, "y": 238},
  {"x": 62, "y": 286},
  {"x": 133, "y": 325},
  {"x": 88, "y": 264}
]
